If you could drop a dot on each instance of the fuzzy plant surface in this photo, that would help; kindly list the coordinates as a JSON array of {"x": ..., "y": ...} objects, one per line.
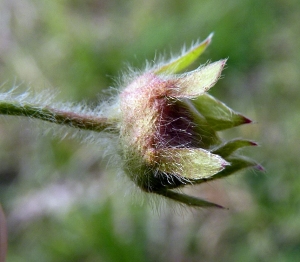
[{"x": 165, "y": 122}]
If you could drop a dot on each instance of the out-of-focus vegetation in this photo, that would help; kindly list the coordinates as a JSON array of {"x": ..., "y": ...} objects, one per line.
[{"x": 65, "y": 202}]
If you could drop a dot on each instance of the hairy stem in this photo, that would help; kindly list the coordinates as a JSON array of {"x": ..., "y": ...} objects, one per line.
[{"x": 57, "y": 116}]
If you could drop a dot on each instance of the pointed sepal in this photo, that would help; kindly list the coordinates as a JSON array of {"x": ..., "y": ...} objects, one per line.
[
  {"x": 187, "y": 200},
  {"x": 189, "y": 163},
  {"x": 199, "y": 81},
  {"x": 236, "y": 164},
  {"x": 229, "y": 147},
  {"x": 181, "y": 63},
  {"x": 218, "y": 115}
]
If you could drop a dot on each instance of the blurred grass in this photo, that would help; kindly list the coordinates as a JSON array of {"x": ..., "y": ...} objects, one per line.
[{"x": 64, "y": 202}]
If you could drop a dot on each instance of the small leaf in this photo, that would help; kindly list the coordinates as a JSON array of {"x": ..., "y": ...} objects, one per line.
[
  {"x": 185, "y": 60},
  {"x": 229, "y": 147},
  {"x": 190, "y": 163},
  {"x": 188, "y": 200},
  {"x": 199, "y": 81},
  {"x": 218, "y": 115}
]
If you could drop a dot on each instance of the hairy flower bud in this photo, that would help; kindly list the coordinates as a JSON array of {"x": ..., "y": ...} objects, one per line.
[
  {"x": 166, "y": 122},
  {"x": 168, "y": 128}
]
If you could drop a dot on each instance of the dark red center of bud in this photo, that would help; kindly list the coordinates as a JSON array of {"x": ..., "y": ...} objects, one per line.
[{"x": 175, "y": 127}]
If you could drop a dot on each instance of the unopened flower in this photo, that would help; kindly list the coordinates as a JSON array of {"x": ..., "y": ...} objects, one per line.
[
  {"x": 169, "y": 124},
  {"x": 166, "y": 124}
]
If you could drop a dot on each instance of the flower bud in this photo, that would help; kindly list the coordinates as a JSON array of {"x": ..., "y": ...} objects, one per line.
[{"x": 169, "y": 124}]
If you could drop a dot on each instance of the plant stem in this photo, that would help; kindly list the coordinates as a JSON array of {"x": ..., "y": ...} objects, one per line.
[{"x": 57, "y": 116}]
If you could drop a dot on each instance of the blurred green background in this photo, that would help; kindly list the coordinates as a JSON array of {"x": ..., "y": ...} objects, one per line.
[{"x": 66, "y": 201}]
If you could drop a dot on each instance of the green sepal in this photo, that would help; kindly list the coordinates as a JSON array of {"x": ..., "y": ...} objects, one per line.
[
  {"x": 199, "y": 81},
  {"x": 189, "y": 163},
  {"x": 181, "y": 63},
  {"x": 187, "y": 200},
  {"x": 206, "y": 136},
  {"x": 229, "y": 147},
  {"x": 236, "y": 164},
  {"x": 218, "y": 115}
]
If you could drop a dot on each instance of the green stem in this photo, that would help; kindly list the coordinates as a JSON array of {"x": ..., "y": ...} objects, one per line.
[{"x": 57, "y": 116}]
